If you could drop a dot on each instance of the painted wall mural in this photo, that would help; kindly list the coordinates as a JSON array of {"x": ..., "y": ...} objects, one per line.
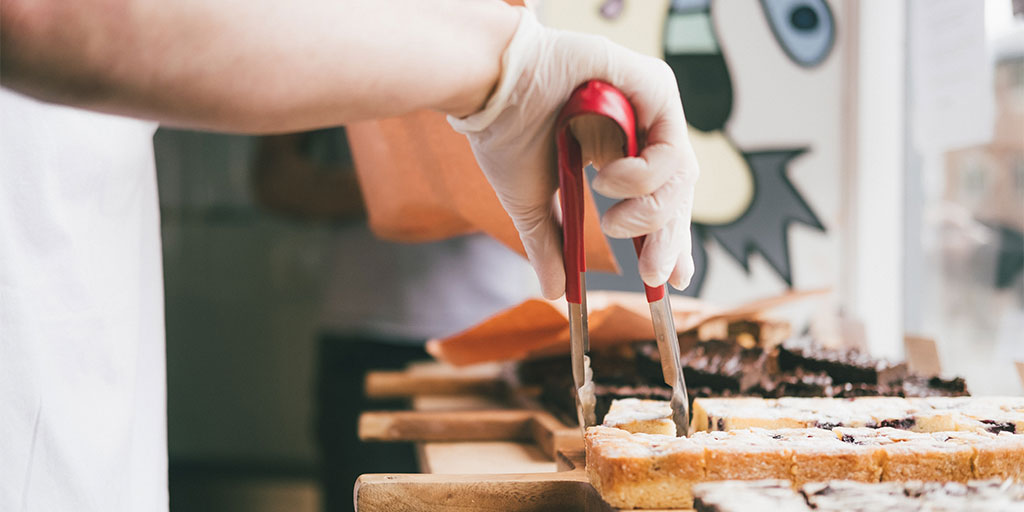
[{"x": 721, "y": 53}]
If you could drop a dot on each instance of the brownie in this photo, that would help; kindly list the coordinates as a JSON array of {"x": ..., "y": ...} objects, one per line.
[
  {"x": 918, "y": 386},
  {"x": 842, "y": 365},
  {"x": 715, "y": 364},
  {"x": 851, "y": 390},
  {"x": 798, "y": 383},
  {"x": 617, "y": 364}
]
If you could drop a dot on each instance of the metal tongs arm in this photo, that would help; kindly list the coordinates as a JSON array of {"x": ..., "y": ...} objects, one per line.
[{"x": 600, "y": 98}]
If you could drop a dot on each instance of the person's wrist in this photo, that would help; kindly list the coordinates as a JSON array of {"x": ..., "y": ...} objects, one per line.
[{"x": 493, "y": 29}]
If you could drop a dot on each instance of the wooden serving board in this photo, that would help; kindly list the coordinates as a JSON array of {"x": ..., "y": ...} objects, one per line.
[
  {"x": 481, "y": 446},
  {"x": 566, "y": 489}
]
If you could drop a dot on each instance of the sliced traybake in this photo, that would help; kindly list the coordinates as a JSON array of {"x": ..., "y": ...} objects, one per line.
[{"x": 656, "y": 471}]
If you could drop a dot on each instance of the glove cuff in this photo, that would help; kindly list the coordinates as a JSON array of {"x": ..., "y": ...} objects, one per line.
[{"x": 513, "y": 61}]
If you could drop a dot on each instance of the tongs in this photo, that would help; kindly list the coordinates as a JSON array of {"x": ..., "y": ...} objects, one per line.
[{"x": 600, "y": 98}]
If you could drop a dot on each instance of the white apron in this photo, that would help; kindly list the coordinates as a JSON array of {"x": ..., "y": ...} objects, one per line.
[{"x": 82, "y": 379}]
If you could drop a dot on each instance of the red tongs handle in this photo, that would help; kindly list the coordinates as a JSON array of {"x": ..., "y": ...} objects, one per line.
[{"x": 600, "y": 98}]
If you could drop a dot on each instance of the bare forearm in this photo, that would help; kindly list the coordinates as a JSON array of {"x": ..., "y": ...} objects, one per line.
[{"x": 256, "y": 65}]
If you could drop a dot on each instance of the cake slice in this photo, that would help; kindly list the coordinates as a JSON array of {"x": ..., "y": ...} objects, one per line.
[
  {"x": 1002, "y": 403},
  {"x": 641, "y": 416},
  {"x": 643, "y": 470},
  {"x": 848, "y": 496},
  {"x": 753, "y": 454},
  {"x": 858, "y": 412},
  {"x": 792, "y": 412},
  {"x": 744, "y": 496},
  {"x": 976, "y": 414},
  {"x": 995, "y": 456},
  {"x": 991, "y": 421},
  {"x": 913, "y": 456},
  {"x": 710, "y": 414},
  {"x": 819, "y": 455},
  {"x": 981, "y": 414}
]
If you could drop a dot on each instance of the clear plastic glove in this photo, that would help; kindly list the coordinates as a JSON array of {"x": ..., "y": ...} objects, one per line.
[{"x": 513, "y": 140}]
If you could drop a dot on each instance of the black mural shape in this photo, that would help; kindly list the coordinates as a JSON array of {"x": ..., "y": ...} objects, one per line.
[
  {"x": 704, "y": 83},
  {"x": 764, "y": 227},
  {"x": 700, "y": 260},
  {"x": 706, "y": 88}
]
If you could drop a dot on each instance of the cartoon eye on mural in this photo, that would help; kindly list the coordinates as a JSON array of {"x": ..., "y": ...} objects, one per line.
[
  {"x": 804, "y": 29},
  {"x": 745, "y": 200}
]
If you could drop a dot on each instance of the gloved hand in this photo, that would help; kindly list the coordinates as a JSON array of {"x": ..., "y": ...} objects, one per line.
[{"x": 513, "y": 141}]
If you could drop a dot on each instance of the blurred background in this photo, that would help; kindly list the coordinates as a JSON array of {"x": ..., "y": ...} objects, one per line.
[{"x": 875, "y": 148}]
